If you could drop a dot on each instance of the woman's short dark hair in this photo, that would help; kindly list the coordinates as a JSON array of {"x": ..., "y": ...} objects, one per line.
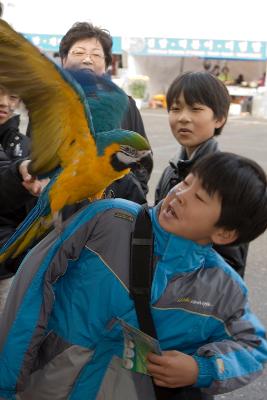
[
  {"x": 242, "y": 187},
  {"x": 203, "y": 88},
  {"x": 86, "y": 30}
]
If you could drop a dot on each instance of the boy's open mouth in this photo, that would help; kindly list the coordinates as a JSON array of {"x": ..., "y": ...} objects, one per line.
[{"x": 170, "y": 211}]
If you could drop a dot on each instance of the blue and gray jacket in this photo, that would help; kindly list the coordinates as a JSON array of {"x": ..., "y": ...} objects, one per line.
[{"x": 59, "y": 338}]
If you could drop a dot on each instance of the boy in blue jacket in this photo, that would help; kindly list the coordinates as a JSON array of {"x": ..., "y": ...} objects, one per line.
[{"x": 59, "y": 338}]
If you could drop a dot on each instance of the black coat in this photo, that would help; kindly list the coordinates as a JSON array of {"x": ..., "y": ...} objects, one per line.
[
  {"x": 133, "y": 122},
  {"x": 236, "y": 256},
  {"x": 14, "y": 144},
  {"x": 14, "y": 147},
  {"x": 15, "y": 200}
]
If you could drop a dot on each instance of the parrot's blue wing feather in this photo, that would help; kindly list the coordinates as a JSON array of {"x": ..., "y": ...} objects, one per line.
[
  {"x": 41, "y": 210},
  {"x": 107, "y": 102},
  {"x": 77, "y": 79}
]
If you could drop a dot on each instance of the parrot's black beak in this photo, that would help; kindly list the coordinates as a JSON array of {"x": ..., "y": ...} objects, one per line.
[{"x": 127, "y": 157}]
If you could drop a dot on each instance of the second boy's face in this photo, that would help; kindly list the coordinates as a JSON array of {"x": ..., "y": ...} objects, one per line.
[
  {"x": 192, "y": 125},
  {"x": 189, "y": 211}
]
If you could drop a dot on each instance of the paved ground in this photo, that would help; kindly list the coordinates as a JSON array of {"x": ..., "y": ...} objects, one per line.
[{"x": 246, "y": 136}]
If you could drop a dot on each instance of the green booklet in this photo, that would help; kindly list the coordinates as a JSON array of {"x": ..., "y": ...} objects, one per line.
[{"x": 137, "y": 345}]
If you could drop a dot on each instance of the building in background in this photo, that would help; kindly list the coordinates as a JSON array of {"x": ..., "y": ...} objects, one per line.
[{"x": 159, "y": 41}]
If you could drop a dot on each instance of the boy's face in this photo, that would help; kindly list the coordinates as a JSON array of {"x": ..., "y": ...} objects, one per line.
[
  {"x": 6, "y": 110},
  {"x": 192, "y": 125},
  {"x": 14, "y": 101},
  {"x": 189, "y": 211}
]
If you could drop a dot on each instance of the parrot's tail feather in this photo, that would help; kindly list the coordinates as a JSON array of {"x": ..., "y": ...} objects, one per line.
[{"x": 27, "y": 238}]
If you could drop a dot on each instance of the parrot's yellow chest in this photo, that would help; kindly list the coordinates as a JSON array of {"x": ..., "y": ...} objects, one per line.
[{"x": 86, "y": 177}]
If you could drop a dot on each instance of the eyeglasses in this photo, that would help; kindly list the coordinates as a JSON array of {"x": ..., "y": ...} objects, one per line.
[{"x": 80, "y": 53}]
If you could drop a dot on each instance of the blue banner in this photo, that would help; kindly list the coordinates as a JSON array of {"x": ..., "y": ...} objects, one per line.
[
  {"x": 204, "y": 48},
  {"x": 51, "y": 42}
]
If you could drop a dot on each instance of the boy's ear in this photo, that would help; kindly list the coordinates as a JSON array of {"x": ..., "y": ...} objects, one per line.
[
  {"x": 220, "y": 122},
  {"x": 224, "y": 236}
]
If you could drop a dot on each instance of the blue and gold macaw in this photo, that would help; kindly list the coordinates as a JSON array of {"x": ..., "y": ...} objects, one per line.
[{"x": 74, "y": 116}]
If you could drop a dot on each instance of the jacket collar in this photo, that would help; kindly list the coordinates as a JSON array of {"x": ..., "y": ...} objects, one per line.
[
  {"x": 209, "y": 146},
  {"x": 177, "y": 253},
  {"x": 174, "y": 256},
  {"x": 183, "y": 165},
  {"x": 11, "y": 123}
]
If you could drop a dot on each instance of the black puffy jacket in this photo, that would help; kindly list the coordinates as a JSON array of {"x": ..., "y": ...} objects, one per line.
[{"x": 14, "y": 144}]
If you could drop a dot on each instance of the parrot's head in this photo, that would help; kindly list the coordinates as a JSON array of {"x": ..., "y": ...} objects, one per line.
[{"x": 128, "y": 147}]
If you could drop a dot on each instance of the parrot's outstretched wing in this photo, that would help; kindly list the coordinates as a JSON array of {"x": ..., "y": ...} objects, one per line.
[
  {"x": 63, "y": 132},
  {"x": 58, "y": 108}
]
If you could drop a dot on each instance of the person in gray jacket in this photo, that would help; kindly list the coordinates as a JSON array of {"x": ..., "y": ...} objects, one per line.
[
  {"x": 198, "y": 105},
  {"x": 60, "y": 336}
]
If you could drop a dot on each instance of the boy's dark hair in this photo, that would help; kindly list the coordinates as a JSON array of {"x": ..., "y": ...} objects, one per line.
[
  {"x": 242, "y": 186},
  {"x": 85, "y": 30},
  {"x": 203, "y": 88}
]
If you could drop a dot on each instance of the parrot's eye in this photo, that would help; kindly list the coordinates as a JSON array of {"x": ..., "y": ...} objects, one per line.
[{"x": 130, "y": 151}]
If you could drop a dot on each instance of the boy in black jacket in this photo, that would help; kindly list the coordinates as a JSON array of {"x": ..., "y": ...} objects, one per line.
[
  {"x": 14, "y": 144},
  {"x": 198, "y": 105}
]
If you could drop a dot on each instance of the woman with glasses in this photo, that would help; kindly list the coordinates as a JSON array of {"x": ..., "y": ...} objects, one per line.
[{"x": 88, "y": 47}]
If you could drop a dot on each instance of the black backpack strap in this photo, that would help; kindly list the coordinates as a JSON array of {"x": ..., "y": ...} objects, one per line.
[
  {"x": 141, "y": 274},
  {"x": 141, "y": 270}
]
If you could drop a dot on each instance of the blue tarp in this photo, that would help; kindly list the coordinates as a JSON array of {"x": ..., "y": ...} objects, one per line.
[
  {"x": 204, "y": 48},
  {"x": 51, "y": 42}
]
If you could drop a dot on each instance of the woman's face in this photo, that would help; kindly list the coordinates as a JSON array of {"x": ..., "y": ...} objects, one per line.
[{"x": 86, "y": 54}]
